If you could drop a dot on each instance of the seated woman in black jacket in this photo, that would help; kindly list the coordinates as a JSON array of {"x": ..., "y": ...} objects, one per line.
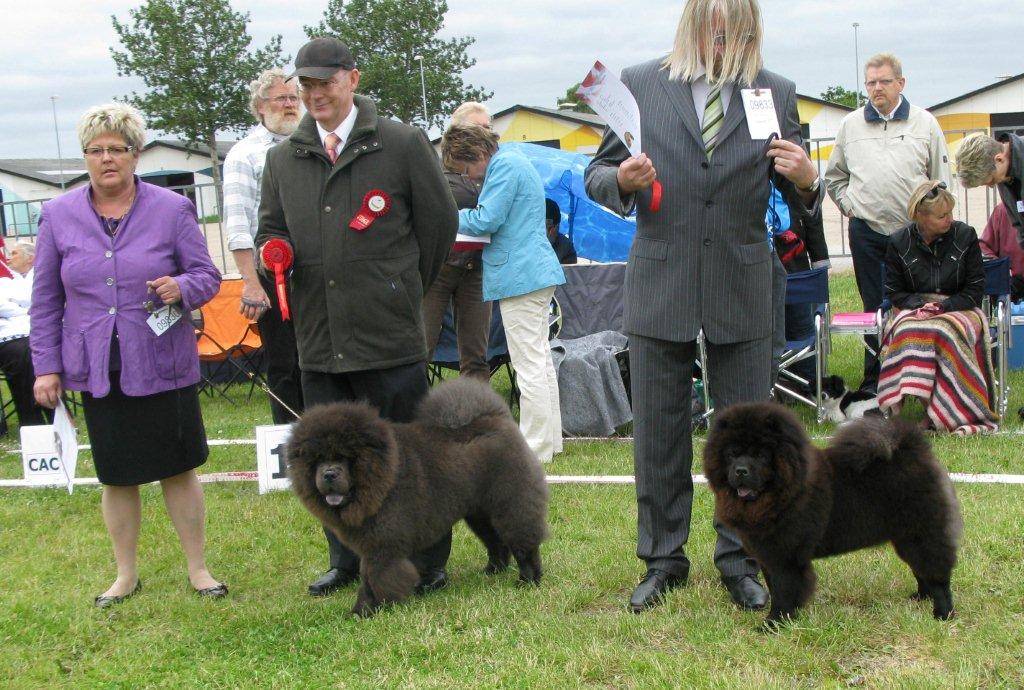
[{"x": 936, "y": 347}]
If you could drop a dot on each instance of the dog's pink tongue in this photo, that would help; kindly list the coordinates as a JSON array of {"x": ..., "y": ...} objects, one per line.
[
  {"x": 334, "y": 499},
  {"x": 744, "y": 492}
]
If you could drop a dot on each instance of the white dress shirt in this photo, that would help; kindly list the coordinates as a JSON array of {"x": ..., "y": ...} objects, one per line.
[
  {"x": 701, "y": 89},
  {"x": 344, "y": 130}
]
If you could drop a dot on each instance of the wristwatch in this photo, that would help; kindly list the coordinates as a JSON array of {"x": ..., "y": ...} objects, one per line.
[{"x": 813, "y": 189}]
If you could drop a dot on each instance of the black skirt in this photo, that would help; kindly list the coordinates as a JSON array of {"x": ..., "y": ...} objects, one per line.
[{"x": 136, "y": 440}]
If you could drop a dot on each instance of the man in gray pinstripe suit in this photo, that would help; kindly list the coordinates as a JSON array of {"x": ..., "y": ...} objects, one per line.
[{"x": 701, "y": 262}]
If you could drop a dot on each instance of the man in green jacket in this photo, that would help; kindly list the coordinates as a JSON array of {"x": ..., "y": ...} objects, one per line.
[{"x": 365, "y": 207}]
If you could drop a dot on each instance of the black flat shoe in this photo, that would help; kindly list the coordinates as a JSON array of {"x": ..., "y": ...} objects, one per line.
[
  {"x": 746, "y": 592},
  {"x": 215, "y": 592},
  {"x": 651, "y": 590},
  {"x": 432, "y": 580},
  {"x": 333, "y": 579},
  {"x": 103, "y": 602}
]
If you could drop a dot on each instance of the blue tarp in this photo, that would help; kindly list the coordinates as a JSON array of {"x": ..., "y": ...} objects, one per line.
[{"x": 597, "y": 233}]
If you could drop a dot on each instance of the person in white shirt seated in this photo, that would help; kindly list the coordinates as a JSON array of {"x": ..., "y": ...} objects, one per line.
[{"x": 15, "y": 356}]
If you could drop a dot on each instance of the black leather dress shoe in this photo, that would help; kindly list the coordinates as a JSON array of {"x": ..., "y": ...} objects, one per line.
[
  {"x": 651, "y": 589},
  {"x": 215, "y": 592},
  {"x": 333, "y": 579},
  {"x": 746, "y": 591},
  {"x": 432, "y": 580},
  {"x": 103, "y": 602}
]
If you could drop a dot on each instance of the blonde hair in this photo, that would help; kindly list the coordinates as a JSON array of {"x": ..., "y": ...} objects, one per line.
[
  {"x": 259, "y": 86},
  {"x": 976, "y": 159},
  {"x": 882, "y": 59},
  {"x": 466, "y": 143},
  {"x": 920, "y": 202},
  {"x": 695, "y": 37},
  {"x": 113, "y": 118},
  {"x": 461, "y": 115}
]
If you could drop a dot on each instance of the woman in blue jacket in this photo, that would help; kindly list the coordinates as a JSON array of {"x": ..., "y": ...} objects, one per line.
[{"x": 520, "y": 270}]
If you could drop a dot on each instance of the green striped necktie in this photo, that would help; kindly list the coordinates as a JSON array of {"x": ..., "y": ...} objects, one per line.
[{"x": 712, "y": 122}]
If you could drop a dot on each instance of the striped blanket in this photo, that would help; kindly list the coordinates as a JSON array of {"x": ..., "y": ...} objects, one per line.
[{"x": 944, "y": 359}]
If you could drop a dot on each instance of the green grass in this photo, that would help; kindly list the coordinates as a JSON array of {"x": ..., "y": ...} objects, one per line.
[{"x": 572, "y": 631}]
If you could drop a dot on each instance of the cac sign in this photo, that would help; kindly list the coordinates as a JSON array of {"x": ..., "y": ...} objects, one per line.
[
  {"x": 271, "y": 462},
  {"x": 41, "y": 464}
]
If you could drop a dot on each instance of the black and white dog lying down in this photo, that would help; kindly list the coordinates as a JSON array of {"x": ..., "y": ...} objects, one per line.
[{"x": 841, "y": 403}]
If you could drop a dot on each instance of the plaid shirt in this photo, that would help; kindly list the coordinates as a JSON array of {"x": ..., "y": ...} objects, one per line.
[{"x": 243, "y": 170}]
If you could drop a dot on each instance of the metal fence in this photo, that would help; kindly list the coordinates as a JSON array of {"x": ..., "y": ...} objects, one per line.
[{"x": 20, "y": 219}]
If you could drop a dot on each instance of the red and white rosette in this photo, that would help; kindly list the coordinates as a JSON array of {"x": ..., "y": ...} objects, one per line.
[{"x": 375, "y": 204}]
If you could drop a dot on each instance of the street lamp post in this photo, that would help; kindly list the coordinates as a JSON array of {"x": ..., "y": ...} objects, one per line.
[
  {"x": 423, "y": 87},
  {"x": 856, "y": 60},
  {"x": 56, "y": 133}
]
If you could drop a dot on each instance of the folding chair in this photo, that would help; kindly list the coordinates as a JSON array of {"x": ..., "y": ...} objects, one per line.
[
  {"x": 996, "y": 306},
  {"x": 860, "y": 324},
  {"x": 446, "y": 353},
  {"x": 227, "y": 342},
  {"x": 807, "y": 287}
]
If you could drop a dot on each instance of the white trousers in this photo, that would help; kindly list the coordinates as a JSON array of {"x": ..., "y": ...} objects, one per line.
[{"x": 526, "y": 331}]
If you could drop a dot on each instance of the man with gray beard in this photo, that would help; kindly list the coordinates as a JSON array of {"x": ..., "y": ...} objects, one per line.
[{"x": 275, "y": 103}]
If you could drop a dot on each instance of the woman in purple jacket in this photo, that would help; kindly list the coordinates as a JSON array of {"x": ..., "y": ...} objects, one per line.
[{"x": 119, "y": 266}]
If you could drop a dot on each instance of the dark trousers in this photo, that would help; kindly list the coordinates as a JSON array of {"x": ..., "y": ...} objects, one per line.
[
  {"x": 660, "y": 372},
  {"x": 395, "y": 392},
  {"x": 284, "y": 377},
  {"x": 868, "y": 250},
  {"x": 472, "y": 317},
  {"x": 16, "y": 363}
]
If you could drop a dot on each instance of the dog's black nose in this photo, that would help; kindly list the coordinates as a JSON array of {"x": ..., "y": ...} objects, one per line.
[
  {"x": 330, "y": 475},
  {"x": 741, "y": 471}
]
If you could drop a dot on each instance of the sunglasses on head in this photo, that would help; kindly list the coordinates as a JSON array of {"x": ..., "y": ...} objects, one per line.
[{"x": 934, "y": 191}]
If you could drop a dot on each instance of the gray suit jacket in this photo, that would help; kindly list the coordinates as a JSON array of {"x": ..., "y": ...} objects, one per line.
[{"x": 703, "y": 259}]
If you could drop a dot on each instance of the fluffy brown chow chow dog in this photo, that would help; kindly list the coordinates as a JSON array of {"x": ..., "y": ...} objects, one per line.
[
  {"x": 390, "y": 490},
  {"x": 791, "y": 502}
]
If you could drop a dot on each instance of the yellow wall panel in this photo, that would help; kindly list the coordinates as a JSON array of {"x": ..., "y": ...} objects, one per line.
[
  {"x": 532, "y": 127},
  {"x": 807, "y": 110},
  {"x": 582, "y": 136}
]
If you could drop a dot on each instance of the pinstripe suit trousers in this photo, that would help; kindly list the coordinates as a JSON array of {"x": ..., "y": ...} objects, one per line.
[{"x": 660, "y": 374}]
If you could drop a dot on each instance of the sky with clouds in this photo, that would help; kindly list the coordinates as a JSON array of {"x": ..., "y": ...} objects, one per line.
[{"x": 528, "y": 51}]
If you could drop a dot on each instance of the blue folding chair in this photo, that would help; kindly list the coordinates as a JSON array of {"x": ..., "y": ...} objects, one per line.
[
  {"x": 803, "y": 288},
  {"x": 996, "y": 306}
]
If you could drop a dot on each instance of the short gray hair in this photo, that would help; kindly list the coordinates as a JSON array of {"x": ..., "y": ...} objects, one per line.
[
  {"x": 259, "y": 86},
  {"x": 113, "y": 118},
  {"x": 976, "y": 159},
  {"x": 27, "y": 247},
  {"x": 882, "y": 59},
  {"x": 461, "y": 114}
]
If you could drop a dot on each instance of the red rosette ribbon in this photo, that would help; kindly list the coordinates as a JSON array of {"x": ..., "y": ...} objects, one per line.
[
  {"x": 277, "y": 256},
  {"x": 655, "y": 197},
  {"x": 375, "y": 204}
]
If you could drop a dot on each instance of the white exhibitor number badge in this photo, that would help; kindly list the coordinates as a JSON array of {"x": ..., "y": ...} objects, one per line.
[
  {"x": 760, "y": 110},
  {"x": 163, "y": 318},
  {"x": 271, "y": 460},
  {"x": 1020, "y": 207}
]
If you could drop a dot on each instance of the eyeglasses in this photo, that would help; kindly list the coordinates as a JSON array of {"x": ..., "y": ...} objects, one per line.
[
  {"x": 719, "y": 39},
  {"x": 112, "y": 151},
  {"x": 884, "y": 83},
  {"x": 282, "y": 100}
]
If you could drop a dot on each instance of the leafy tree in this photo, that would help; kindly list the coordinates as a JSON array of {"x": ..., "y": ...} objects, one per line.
[
  {"x": 385, "y": 36},
  {"x": 570, "y": 97},
  {"x": 837, "y": 94},
  {"x": 194, "y": 58}
]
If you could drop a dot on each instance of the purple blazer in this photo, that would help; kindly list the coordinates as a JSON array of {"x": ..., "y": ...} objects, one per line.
[{"x": 87, "y": 282}]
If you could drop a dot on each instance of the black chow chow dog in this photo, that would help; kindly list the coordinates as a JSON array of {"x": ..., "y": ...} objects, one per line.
[
  {"x": 791, "y": 502},
  {"x": 390, "y": 490}
]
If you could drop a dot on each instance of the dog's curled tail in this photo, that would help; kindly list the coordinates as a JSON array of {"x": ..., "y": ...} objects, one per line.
[
  {"x": 862, "y": 442},
  {"x": 459, "y": 402}
]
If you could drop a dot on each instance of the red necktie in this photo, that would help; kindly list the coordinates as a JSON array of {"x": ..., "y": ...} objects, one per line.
[{"x": 331, "y": 142}]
